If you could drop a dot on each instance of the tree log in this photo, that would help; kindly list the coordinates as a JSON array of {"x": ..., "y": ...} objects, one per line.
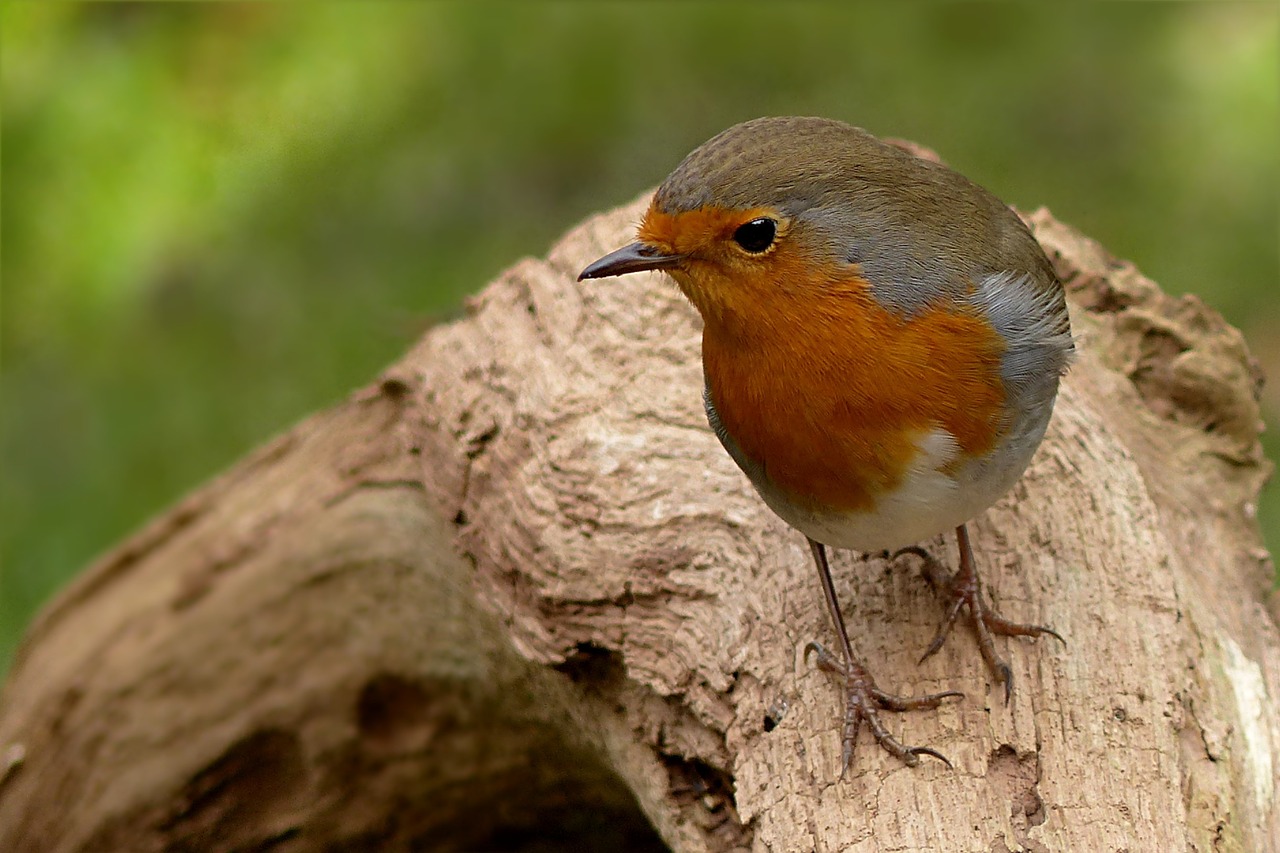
[{"x": 514, "y": 595}]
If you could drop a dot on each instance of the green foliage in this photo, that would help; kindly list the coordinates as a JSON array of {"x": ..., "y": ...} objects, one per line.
[{"x": 218, "y": 217}]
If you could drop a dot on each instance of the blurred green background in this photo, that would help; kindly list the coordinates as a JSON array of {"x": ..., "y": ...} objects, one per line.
[{"x": 220, "y": 217}]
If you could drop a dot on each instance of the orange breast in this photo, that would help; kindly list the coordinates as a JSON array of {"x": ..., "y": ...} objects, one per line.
[{"x": 830, "y": 392}]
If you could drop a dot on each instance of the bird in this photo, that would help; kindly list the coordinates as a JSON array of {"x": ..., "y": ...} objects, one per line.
[{"x": 882, "y": 345}]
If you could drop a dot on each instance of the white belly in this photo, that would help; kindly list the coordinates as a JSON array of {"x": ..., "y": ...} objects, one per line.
[{"x": 928, "y": 501}]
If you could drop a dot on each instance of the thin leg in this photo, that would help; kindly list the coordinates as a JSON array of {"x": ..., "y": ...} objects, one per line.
[
  {"x": 862, "y": 697},
  {"x": 965, "y": 588}
]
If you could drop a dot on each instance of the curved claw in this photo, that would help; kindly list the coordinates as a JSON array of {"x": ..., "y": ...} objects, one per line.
[
  {"x": 932, "y": 753},
  {"x": 1044, "y": 629},
  {"x": 825, "y": 660},
  {"x": 814, "y": 647},
  {"x": 915, "y": 550},
  {"x": 944, "y": 630}
]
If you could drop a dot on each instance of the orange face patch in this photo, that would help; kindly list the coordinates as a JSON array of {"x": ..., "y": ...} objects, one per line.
[
  {"x": 695, "y": 230},
  {"x": 713, "y": 264}
]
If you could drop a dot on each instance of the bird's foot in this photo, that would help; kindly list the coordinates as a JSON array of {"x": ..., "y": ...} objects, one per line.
[
  {"x": 863, "y": 702},
  {"x": 965, "y": 588}
]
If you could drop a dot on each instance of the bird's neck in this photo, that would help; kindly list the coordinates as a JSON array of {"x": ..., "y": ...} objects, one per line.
[{"x": 838, "y": 326}]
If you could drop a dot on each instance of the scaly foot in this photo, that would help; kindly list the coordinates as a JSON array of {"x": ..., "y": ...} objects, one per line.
[
  {"x": 862, "y": 703},
  {"x": 965, "y": 588}
]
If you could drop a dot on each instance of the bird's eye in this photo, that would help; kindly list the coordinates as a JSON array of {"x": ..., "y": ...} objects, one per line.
[{"x": 757, "y": 235}]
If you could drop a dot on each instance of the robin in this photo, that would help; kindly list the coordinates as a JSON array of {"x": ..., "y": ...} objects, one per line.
[{"x": 882, "y": 343}]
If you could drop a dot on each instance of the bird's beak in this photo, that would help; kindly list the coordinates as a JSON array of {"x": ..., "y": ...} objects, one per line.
[{"x": 634, "y": 258}]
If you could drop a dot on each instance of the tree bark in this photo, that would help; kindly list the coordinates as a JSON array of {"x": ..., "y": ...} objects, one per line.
[{"x": 514, "y": 595}]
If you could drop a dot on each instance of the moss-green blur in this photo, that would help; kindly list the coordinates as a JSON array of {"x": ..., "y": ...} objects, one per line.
[{"x": 219, "y": 217}]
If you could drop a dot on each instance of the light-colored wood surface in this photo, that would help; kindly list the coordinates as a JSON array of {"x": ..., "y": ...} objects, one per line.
[{"x": 518, "y": 580}]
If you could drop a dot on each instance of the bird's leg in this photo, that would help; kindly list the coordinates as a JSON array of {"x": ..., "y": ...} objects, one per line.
[
  {"x": 965, "y": 587},
  {"x": 862, "y": 698}
]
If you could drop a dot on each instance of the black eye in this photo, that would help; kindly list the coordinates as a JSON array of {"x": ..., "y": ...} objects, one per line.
[{"x": 757, "y": 235}]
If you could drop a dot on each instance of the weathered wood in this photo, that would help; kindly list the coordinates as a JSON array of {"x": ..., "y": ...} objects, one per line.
[{"x": 296, "y": 657}]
